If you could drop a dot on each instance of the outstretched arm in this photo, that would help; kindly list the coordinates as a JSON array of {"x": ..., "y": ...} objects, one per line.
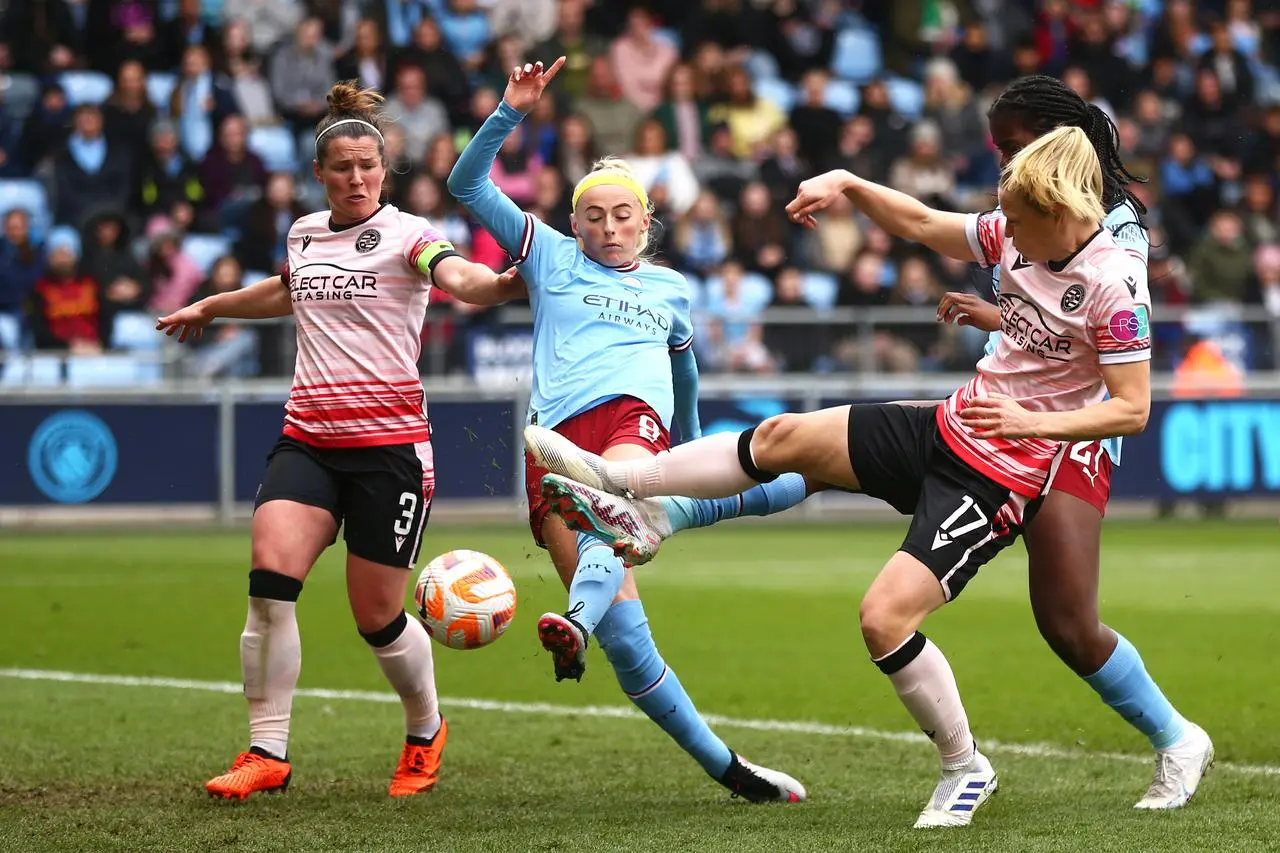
[
  {"x": 469, "y": 182},
  {"x": 895, "y": 212},
  {"x": 1124, "y": 413},
  {"x": 260, "y": 301},
  {"x": 476, "y": 284}
]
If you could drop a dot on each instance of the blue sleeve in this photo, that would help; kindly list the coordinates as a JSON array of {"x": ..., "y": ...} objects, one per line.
[
  {"x": 684, "y": 385},
  {"x": 469, "y": 182},
  {"x": 1127, "y": 230}
]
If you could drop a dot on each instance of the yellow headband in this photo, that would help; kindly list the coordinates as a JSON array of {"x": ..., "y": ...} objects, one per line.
[{"x": 610, "y": 179}]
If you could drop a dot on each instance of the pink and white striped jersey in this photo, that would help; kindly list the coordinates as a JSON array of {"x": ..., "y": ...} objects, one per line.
[
  {"x": 1059, "y": 323},
  {"x": 360, "y": 297}
]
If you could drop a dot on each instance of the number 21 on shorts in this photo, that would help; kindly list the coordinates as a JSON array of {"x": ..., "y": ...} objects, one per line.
[{"x": 1089, "y": 455}]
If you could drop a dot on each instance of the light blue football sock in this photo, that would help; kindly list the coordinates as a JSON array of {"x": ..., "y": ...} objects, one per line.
[
  {"x": 764, "y": 499},
  {"x": 595, "y": 583},
  {"x": 1123, "y": 683},
  {"x": 653, "y": 688}
]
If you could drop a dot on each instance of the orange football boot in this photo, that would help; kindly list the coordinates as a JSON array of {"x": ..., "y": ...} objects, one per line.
[
  {"x": 251, "y": 773},
  {"x": 419, "y": 768}
]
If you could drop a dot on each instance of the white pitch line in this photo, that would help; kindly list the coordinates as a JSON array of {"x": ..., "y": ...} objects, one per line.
[{"x": 1032, "y": 750}]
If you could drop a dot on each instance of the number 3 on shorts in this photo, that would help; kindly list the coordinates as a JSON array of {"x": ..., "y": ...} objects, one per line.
[
  {"x": 409, "y": 501},
  {"x": 648, "y": 429}
]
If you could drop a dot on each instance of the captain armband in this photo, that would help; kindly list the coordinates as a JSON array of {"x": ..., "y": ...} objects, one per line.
[{"x": 427, "y": 255}]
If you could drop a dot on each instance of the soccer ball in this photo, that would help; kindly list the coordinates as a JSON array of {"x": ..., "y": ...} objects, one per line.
[{"x": 466, "y": 599}]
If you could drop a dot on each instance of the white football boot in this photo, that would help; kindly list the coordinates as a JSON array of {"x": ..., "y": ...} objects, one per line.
[
  {"x": 559, "y": 455},
  {"x": 959, "y": 794},
  {"x": 1179, "y": 770},
  {"x": 634, "y": 529},
  {"x": 758, "y": 784}
]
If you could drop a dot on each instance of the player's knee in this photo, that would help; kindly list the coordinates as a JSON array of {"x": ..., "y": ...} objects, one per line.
[
  {"x": 1075, "y": 636},
  {"x": 884, "y": 622},
  {"x": 773, "y": 445},
  {"x": 375, "y": 605}
]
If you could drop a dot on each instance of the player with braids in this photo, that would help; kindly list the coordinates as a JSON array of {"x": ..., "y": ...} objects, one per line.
[
  {"x": 1071, "y": 366},
  {"x": 356, "y": 449},
  {"x": 613, "y": 367},
  {"x": 1063, "y": 529}
]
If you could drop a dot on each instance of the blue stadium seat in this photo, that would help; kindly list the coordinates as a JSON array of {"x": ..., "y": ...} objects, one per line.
[
  {"x": 277, "y": 148},
  {"x": 10, "y": 332},
  {"x": 670, "y": 35},
  {"x": 780, "y": 92},
  {"x": 819, "y": 289},
  {"x": 21, "y": 95},
  {"x": 95, "y": 371},
  {"x": 44, "y": 370},
  {"x": 906, "y": 97},
  {"x": 857, "y": 56},
  {"x": 842, "y": 96},
  {"x": 30, "y": 196},
  {"x": 135, "y": 330},
  {"x": 86, "y": 87},
  {"x": 762, "y": 65},
  {"x": 205, "y": 249},
  {"x": 160, "y": 86}
]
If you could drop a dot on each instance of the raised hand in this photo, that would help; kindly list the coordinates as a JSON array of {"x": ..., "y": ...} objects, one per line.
[
  {"x": 817, "y": 194},
  {"x": 969, "y": 309},
  {"x": 525, "y": 85}
]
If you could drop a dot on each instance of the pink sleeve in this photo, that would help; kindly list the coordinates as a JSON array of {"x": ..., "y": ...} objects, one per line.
[
  {"x": 1120, "y": 321},
  {"x": 986, "y": 236},
  {"x": 423, "y": 244}
]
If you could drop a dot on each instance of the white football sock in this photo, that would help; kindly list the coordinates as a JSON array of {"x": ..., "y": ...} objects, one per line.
[
  {"x": 270, "y": 659},
  {"x": 705, "y": 468},
  {"x": 408, "y": 664},
  {"x": 927, "y": 687}
]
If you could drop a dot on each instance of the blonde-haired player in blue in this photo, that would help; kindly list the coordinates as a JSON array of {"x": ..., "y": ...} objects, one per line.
[{"x": 613, "y": 365}]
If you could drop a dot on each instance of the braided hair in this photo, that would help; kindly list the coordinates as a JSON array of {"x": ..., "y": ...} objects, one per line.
[{"x": 1041, "y": 103}]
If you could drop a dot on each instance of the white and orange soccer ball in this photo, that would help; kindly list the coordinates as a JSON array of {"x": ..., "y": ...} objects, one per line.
[{"x": 465, "y": 598}]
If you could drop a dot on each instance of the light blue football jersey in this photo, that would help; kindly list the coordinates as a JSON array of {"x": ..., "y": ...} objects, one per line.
[
  {"x": 598, "y": 332},
  {"x": 1126, "y": 228}
]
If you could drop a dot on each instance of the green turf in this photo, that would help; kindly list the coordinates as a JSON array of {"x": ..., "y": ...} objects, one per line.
[{"x": 760, "y": 621}]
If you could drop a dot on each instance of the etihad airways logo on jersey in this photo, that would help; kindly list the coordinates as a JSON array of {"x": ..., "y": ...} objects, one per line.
[
  {"x": 321, "y": 282},
  {"x": 628, "y": 313},
  {"x": 1024, "y": 325}
]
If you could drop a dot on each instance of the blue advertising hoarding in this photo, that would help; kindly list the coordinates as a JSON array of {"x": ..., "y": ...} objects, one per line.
[{"x": 167, "y": 453}]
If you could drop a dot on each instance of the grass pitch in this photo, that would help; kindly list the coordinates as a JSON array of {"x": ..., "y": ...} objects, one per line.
[{"x": 760, "y": 622}]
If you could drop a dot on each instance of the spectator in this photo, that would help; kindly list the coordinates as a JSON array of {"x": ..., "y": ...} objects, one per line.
[
  {"x": 1229, "y": 66},
  {"x": 441, "y": 155},
  {"x": 783, "y": 169},
  {"x": 199, "y": 103},
  {"x": 419, "y": 115},
  {"x": 751, "y": 119},
  {"x": 817, "y": 126},
  {"x": 273, "y": 20},
  {"x": 448, "y": 79},
  {"x": 551, "y": 200},
  {"x": 267, "y": 222},
  {"x": 975, "y": 61},
  {"x": 1152, "y": 124},
  {"x": 424, "y": 196},
  {"x": 108, "y": 259},
  {"x": 726, "y": 23},
  {"x": 515, "y": 171},
  {"x": 532, "y": 21},
  {"x": 1264, "y": 290},
  {"x": 66, "y": 309},
  {"x": 231, "y": 175},
  {"x": 799, "y": 36},
  {"x": 923, "y": 173},
  {"x": 11, "y": 165},
  {"x": 1221, "y": 261},
  {"x": 761, "y": 235},
  {"x": 1259, "y": 212},
  {"x": 579, "y": 48},
  {"x": 91, "y": 173},
  {"x": 128, "y": 113},
  {"x": 949, "y": 105},
  {"x": 227, "y": 349},
  {"x": 241, "y": 74},
  {"x": 1189, "y": 188},
  {"x": 641, "y": 60},
  {"x": 46, "y": 130},
  {"x": 167, "y": 176},
  {"x": 502, "y": 55},
  {"x": 301, "y": 74},
  {"x": 366, "y": 61},
  {"x": 466, "y": 31},
  {"x": 613, "y": 118},
  {"x": 682, "y": 114},
  {"x": 655, "y": 164},
  {"x": 185, "y": 29},
  {"x": 702, "y": 238},
  {"x": 834, "y": 246},
  {"x": 576, "y": 148},
  {"x": 174, "y": 276},
  {"x": 22, "y": 262}
]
